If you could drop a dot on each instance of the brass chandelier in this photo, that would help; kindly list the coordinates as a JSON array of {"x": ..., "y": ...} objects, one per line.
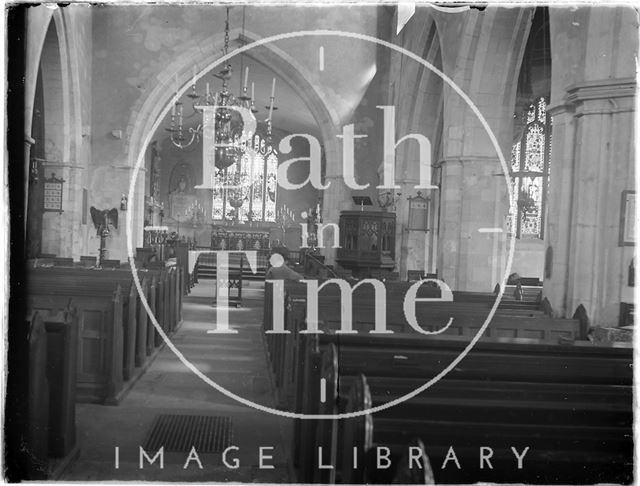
[{"x": 230, "y": 145}]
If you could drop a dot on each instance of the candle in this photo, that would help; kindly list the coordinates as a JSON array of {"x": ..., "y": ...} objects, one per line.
[
  {"x": 246, "y": 77},
  {"x": 207, "y": 89},
  {"x": 253, "y": 87},
  {"x": 173, "y": 109},
  {"x": 176, "y": 83},
  {"x": 273, "y": 88},
  {"x": 194, "y": 76}
]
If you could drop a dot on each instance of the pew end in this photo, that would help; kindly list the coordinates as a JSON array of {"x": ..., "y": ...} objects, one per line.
[{"x": 357, "y": 433}]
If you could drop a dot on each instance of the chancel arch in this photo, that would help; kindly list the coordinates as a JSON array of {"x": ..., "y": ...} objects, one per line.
[{"x": 289, "y": 72}]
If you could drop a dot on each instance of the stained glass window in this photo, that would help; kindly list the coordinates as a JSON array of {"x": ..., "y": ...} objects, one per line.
[
  {"x": 251, "y": 188},
  {"x": 530, "y": 173}
]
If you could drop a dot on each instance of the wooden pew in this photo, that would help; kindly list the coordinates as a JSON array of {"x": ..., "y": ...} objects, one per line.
[
  {"x": 37, "y": 434},
  {"x": 151, "y": 329},
  {"x": 124, "y": 277},
  {"x": 110, "y": 263},
  {"x": 133, "y": 311},
  {"x": 359, "y": 434},
  {"x": 468, "y": 317},
  {"x": 88, "y": 261},
  {"x": 572, "y": 405},
  {"x": 62, "y": 365},
  {"x": 395, "y": 291},
  {"x": 567, "y": 445},
  {"x": 136, "y": 333},
  {"x": 51, "y": 384},
  {"x": 100, "y": 334},
  {"x": 182, "y": 261},
  {"x": 63, "y": 262}
]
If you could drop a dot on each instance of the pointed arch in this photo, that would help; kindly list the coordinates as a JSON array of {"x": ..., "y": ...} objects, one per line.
[
  {"x": 146, "y": 112},
  {"x": 148, "y": 109}
]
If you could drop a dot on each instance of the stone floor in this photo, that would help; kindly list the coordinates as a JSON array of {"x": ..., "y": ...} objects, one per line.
[{"x": 236, "y": 362}]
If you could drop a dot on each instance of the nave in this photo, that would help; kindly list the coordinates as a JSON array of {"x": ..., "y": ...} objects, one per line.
[
  {"x": 553, "y": 390},
  {"x": 362, "y": 163}
]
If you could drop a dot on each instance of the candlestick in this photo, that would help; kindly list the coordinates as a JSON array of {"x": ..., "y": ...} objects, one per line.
[{"x": 246, "y": 77}]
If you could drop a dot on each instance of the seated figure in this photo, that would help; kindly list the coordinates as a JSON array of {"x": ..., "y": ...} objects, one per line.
[{"x": 279, "y": 269}]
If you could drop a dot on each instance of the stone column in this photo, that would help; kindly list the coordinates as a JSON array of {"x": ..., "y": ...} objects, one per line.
[
  {"x": 558, "y": 217},
  {"x": 481, "y": 53},
  {"x": 28, "y": 143},
  {"x": 472, "y": 215},
  {"x": 589, "y": 262},
  {"x": 335, "y": 199}
]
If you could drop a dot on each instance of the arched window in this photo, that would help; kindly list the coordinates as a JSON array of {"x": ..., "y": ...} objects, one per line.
[
  {"x": 530, "y": 173},
  {"x": 251, "y": 187}
]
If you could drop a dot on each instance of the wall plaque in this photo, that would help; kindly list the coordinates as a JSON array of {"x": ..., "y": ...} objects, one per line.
[
  {"x": 627, "y": 219},
  {"x": 418, "y": 213},
  {"x": 52, "y": 200}
]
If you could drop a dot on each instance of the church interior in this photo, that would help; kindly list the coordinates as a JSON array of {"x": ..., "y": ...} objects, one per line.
[{"x": 346, "y": 243}]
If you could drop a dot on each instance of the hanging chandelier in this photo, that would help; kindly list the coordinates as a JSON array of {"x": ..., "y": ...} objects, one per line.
[{"x": 230, "y": 145}]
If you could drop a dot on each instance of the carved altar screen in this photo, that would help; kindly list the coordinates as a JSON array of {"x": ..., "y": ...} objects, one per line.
[{"x": 251, "y": 185}]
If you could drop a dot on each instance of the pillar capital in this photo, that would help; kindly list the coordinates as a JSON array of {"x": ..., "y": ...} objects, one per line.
[
  {"x": 601, "y": 89},
  {"x": 600, "y": 97},
  {"x": 467, "y": 159}
]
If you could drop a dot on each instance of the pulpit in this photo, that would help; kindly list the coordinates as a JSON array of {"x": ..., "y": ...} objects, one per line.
[{"x": 367, "y": 242}]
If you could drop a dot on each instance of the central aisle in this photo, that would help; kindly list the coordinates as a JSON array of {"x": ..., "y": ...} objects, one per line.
[{"x": 236, "y": 362}]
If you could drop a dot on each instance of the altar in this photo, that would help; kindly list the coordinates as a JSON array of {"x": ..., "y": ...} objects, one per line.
[{"x": 238, "y": 238}]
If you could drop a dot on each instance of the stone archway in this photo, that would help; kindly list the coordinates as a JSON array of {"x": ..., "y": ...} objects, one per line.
[
  {"x": 146, "y": 112},
  {"x": 49, "y": 63}
]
